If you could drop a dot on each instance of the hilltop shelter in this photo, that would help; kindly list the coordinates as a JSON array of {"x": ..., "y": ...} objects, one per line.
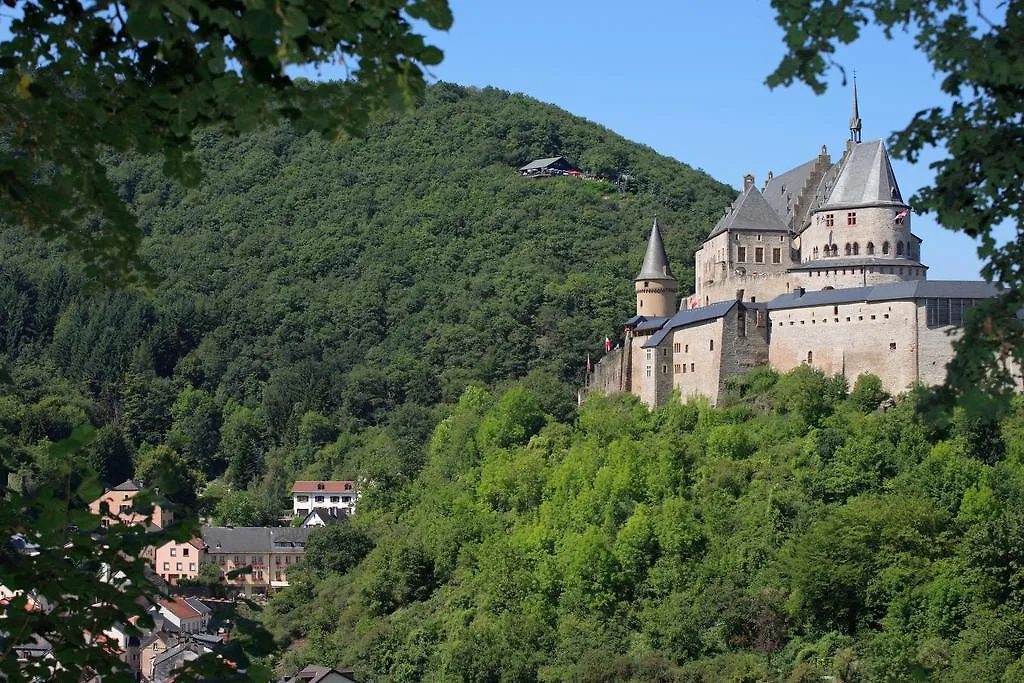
[
  {"x": 550, "y": 166},
  {"x": 819, "y": 267}
]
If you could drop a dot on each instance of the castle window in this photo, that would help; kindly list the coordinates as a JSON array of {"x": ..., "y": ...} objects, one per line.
[
  {"x": 664, "y": 369},
  {"x": 815, "y": 252},
  {"x": 810, "y": 357},
  {"x": 675, "y": 368},
  {"x": 648, "y": 354},
  {"x": 676, "y": 347},
  {"x": 835, "y": 310},
  {"x": 870, "y": 248},
  {"x": 776, "y": 255},
  {"x": 848, "y": 249},
  {"x": 648, "y": 371},
  {"x": 892, "y": 346},
  {"x": 664, "y": 352},
  {"x": 691, "y": 367},
  {"x": 759, "y": 255},
  {"x": 741, "y": 254},
  {"x": 830, "y": 220},
  {"x": 758, "y": 238},
  {"x": 899, "y": 248},
  {"x": 711, "y": 345},
  {"x": 851, "y": 218},
  {"x": 782, "y": 238},
  {"x": 885, "y": 247},
  {"x": 835, "y": 250},
  {"x": 686, "y": 348},
  {"x": 684, "y": 368},
  {"x": 856, "y": 249}
]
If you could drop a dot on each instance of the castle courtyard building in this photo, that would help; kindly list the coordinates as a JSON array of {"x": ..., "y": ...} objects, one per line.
[{"x": 819, "y": 267}]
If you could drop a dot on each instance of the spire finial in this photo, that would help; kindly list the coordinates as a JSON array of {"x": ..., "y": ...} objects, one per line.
[{"x": 855, "y": 122}]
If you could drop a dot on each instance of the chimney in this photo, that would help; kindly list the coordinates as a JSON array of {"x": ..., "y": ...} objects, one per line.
[
  {"x": 739, "y": 295},
  {"x": 748, "y": 181}
]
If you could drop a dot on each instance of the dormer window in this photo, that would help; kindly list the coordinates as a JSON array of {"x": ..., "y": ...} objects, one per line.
[{"x": 320, "y": 486}]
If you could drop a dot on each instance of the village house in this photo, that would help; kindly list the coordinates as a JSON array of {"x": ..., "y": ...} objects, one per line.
[
  {"x": 338, "y": 495},
  {"x": 323, "y": 517},
  {"x": 268, "y": 552},
  {"x": 176, "y": 560},
  {"x": 120, "y": 507},
  {"x": 188, "y": 615}
]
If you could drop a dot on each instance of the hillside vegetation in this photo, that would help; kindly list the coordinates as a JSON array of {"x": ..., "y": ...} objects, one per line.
[
  {"x": 802, "y": 533},
  {"x": 318, "y": 293}
]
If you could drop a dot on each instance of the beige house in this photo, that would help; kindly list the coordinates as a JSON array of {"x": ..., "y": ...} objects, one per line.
[
  {"x": 119, "y": 503},
  {"x": 177, "y": 560},
  {"x": 264, "y": 553}
]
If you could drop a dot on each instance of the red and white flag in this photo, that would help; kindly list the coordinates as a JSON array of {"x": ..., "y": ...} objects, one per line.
[
  {"x": 898, "y": 218},
  {"x": 607, "y": 344},
  {"x": 590, "y": 367}
]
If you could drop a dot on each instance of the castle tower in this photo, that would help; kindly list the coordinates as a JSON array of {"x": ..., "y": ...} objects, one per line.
[{"x": 655, "y": 286}]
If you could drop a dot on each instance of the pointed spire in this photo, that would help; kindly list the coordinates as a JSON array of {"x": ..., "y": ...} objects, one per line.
[
  {"x": 655, "y": 266},
  {"x": 855, "y": 122}
]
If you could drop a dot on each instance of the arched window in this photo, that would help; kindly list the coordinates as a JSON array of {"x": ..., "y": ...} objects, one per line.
[
  {"x": 899, "y": 248},
  {"x": 871, "y": 248},
  {"x": 885, "y": 247},
  {"x": 835, "y": 250},
  {"x": 856, "y": 249},
  {"x": 848, "y": 249},
  {"x": 825, "y": 249},
  {"x": 810, "y": 357}
]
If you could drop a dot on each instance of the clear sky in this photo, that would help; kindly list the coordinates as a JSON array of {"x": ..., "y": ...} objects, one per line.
[{"x": 687, "y": 79}]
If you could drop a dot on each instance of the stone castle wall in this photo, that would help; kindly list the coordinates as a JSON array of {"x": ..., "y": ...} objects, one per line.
[{"x": 872, "y": 226}]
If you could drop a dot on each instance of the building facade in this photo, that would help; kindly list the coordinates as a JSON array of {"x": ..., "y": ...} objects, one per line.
[
  {"x": 818, "y": 267},
  {"x": 176, "y": 560},
  {"x": 266, "y": 553},
  {"x": 119, "y": 503},
  {"x": 337, "y": 495}
]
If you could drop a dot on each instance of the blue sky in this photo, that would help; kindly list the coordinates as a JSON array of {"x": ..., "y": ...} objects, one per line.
[{"x": 687, "y": 79}]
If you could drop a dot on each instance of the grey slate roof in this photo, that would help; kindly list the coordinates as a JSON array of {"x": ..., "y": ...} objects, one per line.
[
  {"x": 327, "y": 515},
  {"x": 865, "y": 179},
  {"x": 128, "y": 485},
  {"x": 782, "y": 191},
  {"x": 750, "y": 212},
  {"x": 655, "y": 265},
  {"x": 913, "y": 289},
  {"x": 654, "y": 323},
  {"x": 250, "y": 539},
  {"x": 540, "y": 163},
  {"x": 689, "y": 317},
  {"x": 855, "y": 261}
]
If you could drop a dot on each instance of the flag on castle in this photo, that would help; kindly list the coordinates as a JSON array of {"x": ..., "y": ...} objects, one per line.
[
  {"x": 898, "y": 218},
  {"x": 607, "y": 344}
]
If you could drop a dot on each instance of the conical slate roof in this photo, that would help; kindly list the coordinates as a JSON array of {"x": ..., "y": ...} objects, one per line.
[
  {"x": 865, "y": 179},
  {"x": 750, "y": 212},
  {"x": 655, "y": 266}
]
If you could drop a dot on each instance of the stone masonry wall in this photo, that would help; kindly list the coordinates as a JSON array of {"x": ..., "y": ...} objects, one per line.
[
  {"x": 849, "y": 339},
  {"x": 696, "y": 350}
]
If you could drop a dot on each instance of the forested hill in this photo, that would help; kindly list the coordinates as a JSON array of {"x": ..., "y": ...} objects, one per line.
[{"x": 359, "y": 283}]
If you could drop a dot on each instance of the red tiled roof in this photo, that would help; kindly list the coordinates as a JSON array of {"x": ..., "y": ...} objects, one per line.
[
  {"x": 179, "y": 608},
  {"x": 324, "y": 487},
  {"x": 197, "y": 543}
]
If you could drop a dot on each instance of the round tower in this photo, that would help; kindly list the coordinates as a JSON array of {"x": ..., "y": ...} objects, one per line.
[{"x": 655, "y": 286}]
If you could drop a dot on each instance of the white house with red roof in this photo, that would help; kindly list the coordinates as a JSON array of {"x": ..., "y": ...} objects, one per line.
[
  {"x": 336, "y": 495},
  {"x": 188, "y": 614}
]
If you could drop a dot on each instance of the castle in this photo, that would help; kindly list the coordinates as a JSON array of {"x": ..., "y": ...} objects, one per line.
[{"x": 817, "y": 267}]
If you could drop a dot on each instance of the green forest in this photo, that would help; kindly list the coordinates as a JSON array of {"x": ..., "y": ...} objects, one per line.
[{"x": 405, "y": 310}]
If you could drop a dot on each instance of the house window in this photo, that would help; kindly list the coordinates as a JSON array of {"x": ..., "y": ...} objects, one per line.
[
  {"x": 184, "y": 552},
  {"x": 318, "y": 499},
  {"x": 303, "y": 499},
  {"x": 335, "y": 499},
  {"x": 346, "y": 499},
  {"x": 830, "y": 220},
  {"x": 741, "y": 254},
  {"x": 776, "y": 255},
  {"x": 851, "y": 218},
  {"x": 759, "y": 255},
  {"x": 191, "y": 566},
  {"x": 177, "y": 566},
  {"x": 167, "y": 566},
  {"x": 174, "y": 552}
]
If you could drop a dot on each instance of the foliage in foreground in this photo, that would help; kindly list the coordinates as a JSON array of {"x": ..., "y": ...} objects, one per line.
[{"x": 797, "y": 534}]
